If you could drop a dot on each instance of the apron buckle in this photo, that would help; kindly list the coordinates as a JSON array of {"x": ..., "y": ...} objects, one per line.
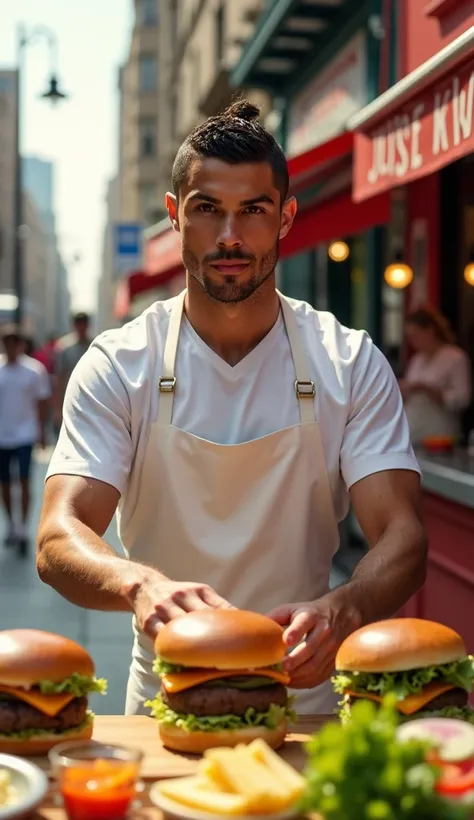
[
  {"x": 167, "y": 385},
  {"x": 304, "y": 390}
]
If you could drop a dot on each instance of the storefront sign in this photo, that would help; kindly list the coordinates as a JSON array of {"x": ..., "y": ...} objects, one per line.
[
  {"x": 322, "y": 109},
  {"x": 424, "y": 135}
]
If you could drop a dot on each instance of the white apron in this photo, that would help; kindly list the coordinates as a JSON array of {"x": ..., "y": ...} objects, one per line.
[{"x": 255, "y": 520}]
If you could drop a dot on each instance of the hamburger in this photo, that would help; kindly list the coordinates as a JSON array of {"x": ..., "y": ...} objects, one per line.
[
  {"x": 424, "y": 664},
  {"x": 222, "y": 681},
  {"x": 44, "y": 683}
]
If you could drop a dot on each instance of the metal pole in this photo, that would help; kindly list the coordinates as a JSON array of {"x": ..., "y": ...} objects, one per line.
[{"x": 18, "y": 255}]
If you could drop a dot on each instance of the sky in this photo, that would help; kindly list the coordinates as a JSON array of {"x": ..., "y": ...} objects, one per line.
[{"x": 81, "y": 135}]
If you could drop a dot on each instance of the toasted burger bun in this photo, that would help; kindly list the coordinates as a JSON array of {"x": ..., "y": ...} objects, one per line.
[
  {"x": 221, "y": 639},
  {"x": 398, "y": 645},
  {"x": 197, "y": 742},
  {"x": 30, "y": 655},
  {"x": 40, "y": 745}
]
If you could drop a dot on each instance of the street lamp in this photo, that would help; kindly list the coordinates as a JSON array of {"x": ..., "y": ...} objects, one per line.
[{"x": 24, "y": 39}]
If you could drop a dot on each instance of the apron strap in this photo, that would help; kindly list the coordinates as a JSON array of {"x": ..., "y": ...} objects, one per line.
[
  {"x": 167, "y": 382},
  {"x": 304, "y": 386}
]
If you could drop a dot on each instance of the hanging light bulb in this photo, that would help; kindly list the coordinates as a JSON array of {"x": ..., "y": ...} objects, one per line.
[
  {"x": 338, "y": 250},
  {"x": 469, "y": 269},
  {"x": 398, "y": 274}
]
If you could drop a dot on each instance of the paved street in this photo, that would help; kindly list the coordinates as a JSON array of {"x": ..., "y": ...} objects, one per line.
[{"x": 26, "y": 602}]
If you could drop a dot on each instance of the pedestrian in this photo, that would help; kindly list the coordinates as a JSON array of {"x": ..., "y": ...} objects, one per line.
[
  {"x": 232, "y": 427},
  {"x": 24, "y": 395},
  {"x": 437, "y": 385},
  {"x": 68, "y": 352}
]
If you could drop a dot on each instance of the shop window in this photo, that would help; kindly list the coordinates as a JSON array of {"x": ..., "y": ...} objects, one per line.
[
  {"x": 147, "y": 132},
  {"x": 148, "y": 72}
]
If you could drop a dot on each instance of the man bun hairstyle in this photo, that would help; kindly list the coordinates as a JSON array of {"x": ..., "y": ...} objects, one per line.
[{"x": 235, "y": 136}]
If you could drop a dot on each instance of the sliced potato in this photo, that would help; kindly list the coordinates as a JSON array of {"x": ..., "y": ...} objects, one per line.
[
  {"x": 285, "y": 773},
  {"x": 187, "y": 791}
]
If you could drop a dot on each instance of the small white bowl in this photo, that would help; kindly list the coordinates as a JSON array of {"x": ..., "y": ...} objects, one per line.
[
  {"x": 29, "y": 781},
  {"x": 171, "y": 808}
]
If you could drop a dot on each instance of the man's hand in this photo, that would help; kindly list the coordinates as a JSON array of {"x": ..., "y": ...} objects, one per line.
[
  {"x": 315, "y": 630},
  {"x": 157, "y": 600}
]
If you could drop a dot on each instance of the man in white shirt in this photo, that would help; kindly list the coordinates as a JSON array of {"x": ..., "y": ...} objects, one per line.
[
  {"x": 24, "y": 393},
  {"x": 232, "y": 427}
]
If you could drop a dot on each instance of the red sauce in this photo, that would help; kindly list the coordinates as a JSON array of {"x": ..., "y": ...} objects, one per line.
[{"x": 99, "y": 789}]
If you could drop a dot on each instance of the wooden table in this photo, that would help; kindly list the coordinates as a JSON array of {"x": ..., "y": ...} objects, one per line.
[{"x": 159, "y": 763}]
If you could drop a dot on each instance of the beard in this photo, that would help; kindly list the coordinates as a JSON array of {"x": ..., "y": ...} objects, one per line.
[{"x": 231, "y": 290}]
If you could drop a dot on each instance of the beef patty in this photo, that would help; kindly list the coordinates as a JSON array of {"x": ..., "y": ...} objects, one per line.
[
  {"x": 16, "y": 716},
  {"x": 454, "y": 697},
  {"x": 209, "y": 701}
]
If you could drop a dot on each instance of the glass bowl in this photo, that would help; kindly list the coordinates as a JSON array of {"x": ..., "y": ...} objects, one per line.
[{"x": 96, "y": 781}]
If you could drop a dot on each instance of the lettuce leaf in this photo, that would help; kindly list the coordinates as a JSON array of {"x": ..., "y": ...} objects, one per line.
[
  {"x": 27, "y": 733},
  {"x": 465, "y": 713},
  {"x": 77, "y": 685},
  {"x": 460, "y": 673},
  {"x": 193, "y": 723}
]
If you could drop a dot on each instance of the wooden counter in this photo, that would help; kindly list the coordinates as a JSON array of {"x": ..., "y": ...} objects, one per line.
[{"x": 159, "y": 763}]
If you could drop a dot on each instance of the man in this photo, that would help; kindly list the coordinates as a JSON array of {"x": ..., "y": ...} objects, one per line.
[
  {"x": 68, "y": 351},
  {"x": 24, "y": 394},
  {"x": 231, "y": 426}
]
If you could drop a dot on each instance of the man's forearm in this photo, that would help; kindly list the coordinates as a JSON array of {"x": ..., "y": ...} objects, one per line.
[
  {"x": 85, "y": 570},
  {"x": 391, "y": 572}
]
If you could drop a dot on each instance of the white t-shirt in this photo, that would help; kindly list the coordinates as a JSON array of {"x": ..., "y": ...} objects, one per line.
[
  {"x": 112, "y": 400},
  {"x": 449, "y": 370},
  {"x": 22, "y": 385}
]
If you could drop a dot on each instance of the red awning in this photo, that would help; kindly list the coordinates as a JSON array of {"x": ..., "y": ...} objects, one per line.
[
  {"x": 140, "y": 282},
  {"x": 316, "y": 163},
  {"x": 335, "y": 218},
  {"x": 162, "y": 253}
]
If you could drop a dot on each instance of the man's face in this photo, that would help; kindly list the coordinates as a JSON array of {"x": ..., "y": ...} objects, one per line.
[
  {"x": 231, "y": 221},
  {"x": 81, "y": 327},
  {"x": 13, "y": 347}
]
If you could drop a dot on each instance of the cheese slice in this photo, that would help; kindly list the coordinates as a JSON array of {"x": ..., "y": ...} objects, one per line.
[
  {"x": 49, "y": 705},
  {"x": 186, "y": 680},
  {"x": 412, "y": 703}
]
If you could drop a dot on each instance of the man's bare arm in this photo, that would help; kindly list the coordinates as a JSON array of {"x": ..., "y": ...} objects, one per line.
[
  {"x": 388, "y": 508},
  {"x": 73, "y": 558}
]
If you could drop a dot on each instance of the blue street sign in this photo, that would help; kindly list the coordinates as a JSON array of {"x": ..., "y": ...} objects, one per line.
[{"x": 127, "y": 246}]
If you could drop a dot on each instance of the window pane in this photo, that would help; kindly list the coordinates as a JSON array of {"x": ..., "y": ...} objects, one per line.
[
  {"x": 147, "y": 130},
  {"x": 148, "y": 72},
  {"x": 148, "y": 11}
]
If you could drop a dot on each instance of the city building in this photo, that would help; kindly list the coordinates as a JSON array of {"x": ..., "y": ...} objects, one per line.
[
  {"x": 138, "y": 116},
  {"x": 107, "y": 284},
  {"x": 8, "y": 160},
  {"x": 54, "y": 304}
]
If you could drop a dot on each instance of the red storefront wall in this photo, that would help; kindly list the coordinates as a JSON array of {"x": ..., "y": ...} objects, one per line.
[
  {"x": 425, "y": 27},
  {"x": 448, "y": 594}
]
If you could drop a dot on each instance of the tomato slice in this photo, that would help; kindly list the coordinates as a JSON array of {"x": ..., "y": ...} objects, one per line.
[{"x": 456, "y": 779}]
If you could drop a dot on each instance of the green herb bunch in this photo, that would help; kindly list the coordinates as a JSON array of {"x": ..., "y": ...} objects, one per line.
[{"x": 361, "y": 771}]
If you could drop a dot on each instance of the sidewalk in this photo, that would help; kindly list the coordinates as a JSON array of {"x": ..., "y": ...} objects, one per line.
[{"x": 26, "y": 602}]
